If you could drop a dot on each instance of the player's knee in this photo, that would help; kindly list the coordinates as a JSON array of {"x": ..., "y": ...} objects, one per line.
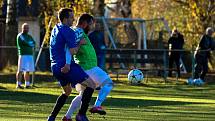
[
  {"x": 91, "y": 83},
  {"x": 67, "y": 91},
  {"x": 109, "y": 83}
]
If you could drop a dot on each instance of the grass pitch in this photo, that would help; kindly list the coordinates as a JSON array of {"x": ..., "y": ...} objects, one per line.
[{"x": 147, "y": 102}]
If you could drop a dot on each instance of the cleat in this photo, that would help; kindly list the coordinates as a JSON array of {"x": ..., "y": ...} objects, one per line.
[
  {"x": 66, "y": 119},
  {"x": 98, "y": 88},
  {"x": 28, "y": 87},
  {"x": 19, "y": 87},
  {"x": 51, "y": 118},
  {"x": 98, "y": 110},
  {"x": 80, "y": 117}
]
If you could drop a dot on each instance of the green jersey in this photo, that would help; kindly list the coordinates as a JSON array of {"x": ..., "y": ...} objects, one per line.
[
  {"x": 25, "y": 44},
  {"x": 86, "y": 56}
]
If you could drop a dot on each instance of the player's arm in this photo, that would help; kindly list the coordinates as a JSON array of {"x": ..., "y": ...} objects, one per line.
[
  {"x": 21, "y": 40},
  {"x": 74, "y": 51},
  {"x": 32, "y": 44},
  {"x": 69, "y": 53},
  {"x": 70, "y": 45},
  {"x": 66, "y": 67}
]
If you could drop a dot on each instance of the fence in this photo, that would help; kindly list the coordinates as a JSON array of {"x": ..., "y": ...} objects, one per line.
[{"x": 157, "y": 61}]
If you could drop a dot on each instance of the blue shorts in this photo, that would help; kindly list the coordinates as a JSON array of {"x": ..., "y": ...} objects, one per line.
[{"x": 74, "y": 76}]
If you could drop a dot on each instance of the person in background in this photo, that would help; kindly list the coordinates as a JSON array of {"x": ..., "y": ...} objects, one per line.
[
  {"x": 202, "y": 54},
  {"x": 176, "y": 42},
  {"x": 25, "y": 45},
  {"x": 97, "y": 39}
]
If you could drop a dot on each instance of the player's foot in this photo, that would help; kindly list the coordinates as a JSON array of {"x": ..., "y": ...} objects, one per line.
[
  {"x": 19, "y": 87},
  {"x": 98, "y": 110},
  {"x": 28, "y": 87},
  {"x": 98, "y": 88},
  {"x": 51, "y": 118},
  {"x": 80, "y": 117},
  {"x": 66, "y": 119}
]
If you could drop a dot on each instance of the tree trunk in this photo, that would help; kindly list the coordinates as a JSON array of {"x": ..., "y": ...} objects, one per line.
[
  {"x": 98, "y": 9},
  {"x": 131, "y": 32},
  {"x": 11, "y": 32}
]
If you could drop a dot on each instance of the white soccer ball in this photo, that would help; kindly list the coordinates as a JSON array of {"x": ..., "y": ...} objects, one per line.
[
  {"x": 190, "y": 81},
  {"x": 198, "y": 82},
  {"x": 135, "y": 76}
]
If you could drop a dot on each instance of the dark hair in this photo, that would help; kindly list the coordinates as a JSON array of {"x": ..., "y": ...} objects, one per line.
[
  {"x": 64, "y": 13},
  {"x": 85, "y": 18}
]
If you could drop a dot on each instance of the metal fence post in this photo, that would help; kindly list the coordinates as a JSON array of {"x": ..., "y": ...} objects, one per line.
[
  {"x": 193, "y": 61},
  {"x": 33, "y": 74},
  {"x": 165, "y": 65},
  {"x": 135, "y": 58}
]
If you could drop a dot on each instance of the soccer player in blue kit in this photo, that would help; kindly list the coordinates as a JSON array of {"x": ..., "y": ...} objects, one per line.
[{"x": 68, "y": 74}]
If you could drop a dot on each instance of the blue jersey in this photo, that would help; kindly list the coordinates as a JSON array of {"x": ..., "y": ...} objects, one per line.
[{"x": 61, "y": 36}]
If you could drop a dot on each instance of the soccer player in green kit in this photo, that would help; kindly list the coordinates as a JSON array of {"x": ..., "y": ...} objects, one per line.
[{"x": 86, "y": 58}]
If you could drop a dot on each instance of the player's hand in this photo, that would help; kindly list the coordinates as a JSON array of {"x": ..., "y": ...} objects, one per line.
[
  {"x": 66, "y": 68},
  {"x": 82, "y": 42}
]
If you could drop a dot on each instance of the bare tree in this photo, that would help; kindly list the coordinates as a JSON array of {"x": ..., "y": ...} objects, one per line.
[{"x": 122, "y": 8}]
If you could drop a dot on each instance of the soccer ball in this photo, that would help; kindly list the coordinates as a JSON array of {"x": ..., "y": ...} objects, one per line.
[
  {"x": 190, "y": 81},
  {"x": 198, "y": 82},
  {"x": 135, "y": 76}
]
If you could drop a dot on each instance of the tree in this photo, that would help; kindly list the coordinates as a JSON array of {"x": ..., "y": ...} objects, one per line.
[
  {"x": 11, "y": 30},
  {"x": 98, "y": 8},
  {"x": 122, "y": 8},
  {"x": 49, "y": 8},
  {"x": 200, "y": 10}
]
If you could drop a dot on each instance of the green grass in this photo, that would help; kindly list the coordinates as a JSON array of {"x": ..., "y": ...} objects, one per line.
[{"x": 148, "y": 102}]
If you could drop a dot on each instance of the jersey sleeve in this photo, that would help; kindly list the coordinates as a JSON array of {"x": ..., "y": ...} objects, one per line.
[
  {"x": 31, "y": 43},
  {"x": 68, "y": 55},
  {"x": 70, "y": 38},
  {"x": 21, "y": 41}
]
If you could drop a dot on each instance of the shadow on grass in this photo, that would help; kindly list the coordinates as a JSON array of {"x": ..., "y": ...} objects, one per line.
[
  {"x": 118, "y": 102},
  {"x": 11, "y": 78},
  {"x": 31, "y": 97}
]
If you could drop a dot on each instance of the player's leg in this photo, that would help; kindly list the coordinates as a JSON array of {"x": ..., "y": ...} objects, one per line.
[
  {"x": 171, "y": 60},
  {"x": 19, "y": 73},
  {"x": 29, "y": 67},
  {"x": 19, "y": 80},
  {"x": 66, "y": 85},
  {"x": 77, "y": 75},
  {"x": 105, "y": 90},
  {"x": 60, "y": 102},
  {"x": 87, "y": 94},
  {"x": 75, "y": 104},
  {"x": 101, "y": 78},
  {"x": 204, "y": 68},
  {"x": 27, "y": 79},
  {"x": 177, "y": 62},
  {"x": 198, "y": 67}
]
